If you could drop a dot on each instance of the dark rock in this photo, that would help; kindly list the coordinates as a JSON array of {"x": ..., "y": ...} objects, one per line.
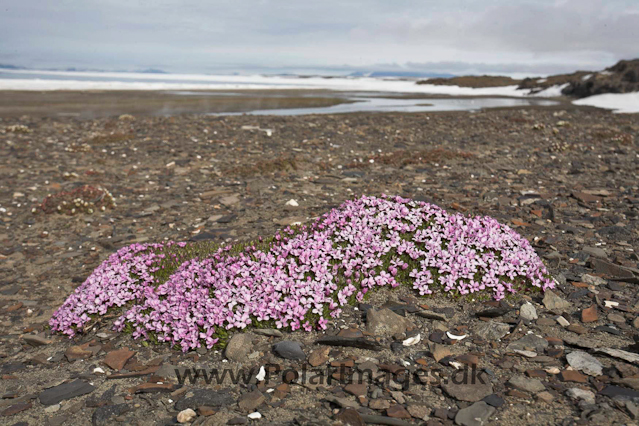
[
  {"x": 494, "y": 400},
  {"x": 208, "y": 397},
  {"x": 103, "y": 415},
  {"x": 65, "y": 391},
  {"x": 353, "y": 342},
  {"x": 289, "y": 350},
  {"x": 613, "y": 391}
]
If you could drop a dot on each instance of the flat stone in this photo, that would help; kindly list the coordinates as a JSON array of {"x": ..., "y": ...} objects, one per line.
[
  {"x": 350, "y": 333},
  {"x": 350, "y": 342},
  {"x": 621, "y": 354},
  {"x": 239, "y": 346},
  {"x": 350, "y": 417},
  {"x": 529, "y": 342},
  {"x": 491, "y": 330},
  {"x": 585, "y": 362},
  {"x": 74, "y": 353},
  {"x": 397, "y": 411},
  {"x": 208, "y": 397},
  {"x": 613, "y": 391},
  {"x": 35, "y": 340},
  {"x": 474, "y": 415},
  {"x": 419, "y": 411},
  {"x": 319, "y": 357},
  {"x": 631, "y": 382},
  {"x": 526, "y": 384},
  {"x": 117, "y": 359},
  {"x": 593, "y": 280},
  {"x": 379, "y": 404},
  {"x": 590, "y": 314},
  {"x": 610, "y": 269},
  {"x": 572, "y": 376},
  {"x": 356, "y": 389},
  {"x": 439, "y": 351},
  {"x": 432, "y": 315},
  {"x": 230, "y": 200},
  {"x": 16, "y": 408},
  {"x": 577, "y": 328},
  {"x": 463, "y": 389},
  {"x": 581, "y": 394},
  {"x": 545, "y": 396},
  {"x": 386, "y": 323},
  {"x": 562, "y": 321},
  {"x": 250, "y": 401},
  {"x": 65, "y": 391},
  {"x": 616, "y": 318},
  {"x": 271, "y": 332},
  {"x": 596, "y": 252},
  {"x": 288, "y": 349},
  {"x": 554, "y": 303}
]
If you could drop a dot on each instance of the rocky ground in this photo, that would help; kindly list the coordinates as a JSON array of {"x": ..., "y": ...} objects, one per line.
[{"x": 565, "y": 179}]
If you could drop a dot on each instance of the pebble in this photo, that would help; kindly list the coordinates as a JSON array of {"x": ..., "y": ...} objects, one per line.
[
  {"x": 250, "y": 401},
  {"x": 554, "y": 303},
  {"x": 117, "y": 359},
  {"x": 185, "y": 416},
  {"x": 585, "y": 362},
  {"x": 491, "y": 330},
  {"x": 65, "y": 391},
  {"x": 288, "y": 349},
  {"x": 386, "y": 323},
  {"x": 239, "y": 346},
  {"x": 526, "y": 384},
  {"x": 528, "y": 312},
  {"x": 465, "y": 390},
  {"x": 581, "y": 394},
  {"x": 589, "y": 314},
  {"x": 474, "y": 415}
]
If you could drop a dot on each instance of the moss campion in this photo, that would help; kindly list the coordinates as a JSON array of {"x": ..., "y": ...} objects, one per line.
[{"x": 191, "y": 295}]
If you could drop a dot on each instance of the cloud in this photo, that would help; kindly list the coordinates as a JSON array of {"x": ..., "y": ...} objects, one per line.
[{"x": 527, "y": 36}]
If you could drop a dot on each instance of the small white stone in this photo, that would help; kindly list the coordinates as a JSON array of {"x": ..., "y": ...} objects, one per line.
[
  {"x": 563, "y": 321},
  {"x": 454, "y": 337},
  {"x": 292, "y": 203},
  {"x": 412, "y": 340},
  {"x": 261, "y": 374},
  {"x": 52, "y": 408},
  {"x": 186, "y": 416},
  {"x": 98, "y": 370},
  {"x": 256, "y": 415}
]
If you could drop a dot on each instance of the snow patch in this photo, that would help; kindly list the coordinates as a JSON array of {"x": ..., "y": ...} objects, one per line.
[{"x": 618, "y": 102}]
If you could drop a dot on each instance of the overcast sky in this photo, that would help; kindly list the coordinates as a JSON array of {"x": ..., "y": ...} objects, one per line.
[{"x": 537, "y": 37}]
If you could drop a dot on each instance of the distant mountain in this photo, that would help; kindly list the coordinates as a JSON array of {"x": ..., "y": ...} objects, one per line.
[
  {"x": 11, "y": 67},
  {"x": 152, "y": 71}
]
